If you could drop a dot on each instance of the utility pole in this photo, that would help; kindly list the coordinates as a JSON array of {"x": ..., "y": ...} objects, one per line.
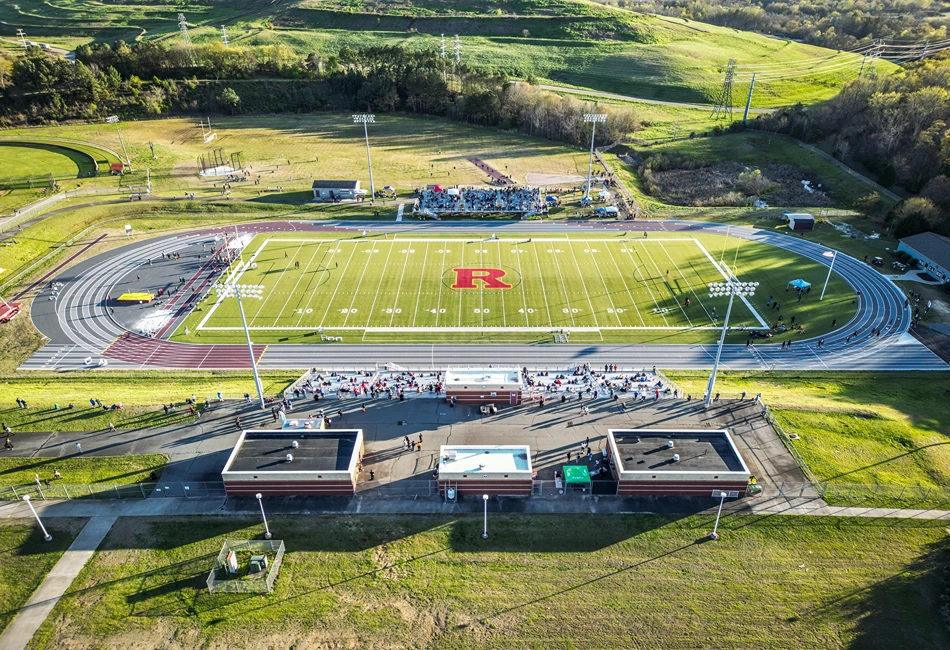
[
  {"x": 458, "y": 50},
  {"x": 724, "y": 101},
  {"x": 863, "y": 62},
  {"x": 748, "y": 101},
  {"x": 443, "y": 58},
  {"x": 22, "y": 36},
  {"x": 924, "y": 52},
  {"x": 224, "y": 36}
]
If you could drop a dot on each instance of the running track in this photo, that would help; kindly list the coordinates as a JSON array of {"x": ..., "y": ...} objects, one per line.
[{"x": 80, "y": 326}]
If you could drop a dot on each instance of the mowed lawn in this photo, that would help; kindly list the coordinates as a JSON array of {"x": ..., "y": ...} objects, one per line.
[
  {"x": 414, "y": 287},
  {"x": 578, "y": 581},
  {"x": 870, "y": 428},
  {"x": 25, "y": 558},
  {"x": 82, "y": 470},
  {"x": 42, "y": 160}
]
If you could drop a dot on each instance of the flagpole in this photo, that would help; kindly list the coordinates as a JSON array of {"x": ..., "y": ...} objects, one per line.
[{"x": 833, "y": 258}]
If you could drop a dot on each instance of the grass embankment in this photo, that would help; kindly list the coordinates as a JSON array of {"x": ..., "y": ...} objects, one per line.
[
  {"x": 537, "y": 582},
  {"x": 870, "y": 428},
  {"x": 84, "y": 470},
  {"x": 142, "y": 395},
  {"x": 25, "y": 558}
]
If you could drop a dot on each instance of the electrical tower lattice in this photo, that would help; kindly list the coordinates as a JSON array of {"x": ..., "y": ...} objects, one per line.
[{"x": 724, "y": 101}]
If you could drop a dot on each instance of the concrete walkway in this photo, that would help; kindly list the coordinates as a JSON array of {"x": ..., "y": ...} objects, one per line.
[{"x": 28, "y": 620}]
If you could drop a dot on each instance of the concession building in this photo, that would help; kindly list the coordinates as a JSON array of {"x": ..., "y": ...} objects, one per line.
[
  {"x": 294, "y": 461},
  {"x": 485, "y": 469},
  {"x": 484, "y": 386},
  {"x": 676, "y": 462}
]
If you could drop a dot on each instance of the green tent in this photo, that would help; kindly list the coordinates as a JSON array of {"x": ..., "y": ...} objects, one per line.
[{"x": 576, "y": 476}]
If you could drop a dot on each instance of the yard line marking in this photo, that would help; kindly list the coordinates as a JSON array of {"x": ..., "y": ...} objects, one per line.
[
  {"x": 382, "y": 276},
  {"x": 626, "y": 286},
  {"x": 399, "y": 210},
  {"x": 326, "y": 312},
  {"x": 604, "y": 282},
  {"x": 580, "y": 272},
  {"x": 422, "y": 276},
  {"x": 567, "y": 299},
  {"x": 544, "y": 292},
  {"x": 524, "y": 297},
  {"x": 303, "y": 269},
  {"x": 313, "y": 293},
  {"x": 638, "y": 262},
  {"x": 272, "y": 292},
  {"x": 668, "y": 287},
  {"x": 688, "y": 284},
  {"x": 438, "y": 305},
  {"x": 405, "y": 263}
]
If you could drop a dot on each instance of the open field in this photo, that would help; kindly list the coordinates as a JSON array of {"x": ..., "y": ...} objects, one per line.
[
  {"x": 599, "y": 288},
  {"x": 142, "y": 395},
  {"x": 537, "y": 582},
  {"x": 42, "y": 160},
  {"x": 855, "y": 428},
  {"x": 82, "y": 470},
  {"x": 25, "y": 558}
]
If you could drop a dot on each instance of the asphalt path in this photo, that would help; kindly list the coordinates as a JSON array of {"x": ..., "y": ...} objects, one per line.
[{"x": 81, "y": 326}]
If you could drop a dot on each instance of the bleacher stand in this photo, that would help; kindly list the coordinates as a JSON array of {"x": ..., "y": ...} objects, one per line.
[{"x": 474, "y": 200}]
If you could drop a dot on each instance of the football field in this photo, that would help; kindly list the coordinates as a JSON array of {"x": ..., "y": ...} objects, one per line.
[{"x": 418, "y": 285}]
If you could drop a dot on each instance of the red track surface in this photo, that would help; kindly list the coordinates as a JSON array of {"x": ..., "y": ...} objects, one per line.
[
  {"x": 491, "y": 171},
  {"x": 141, "y": 350}
]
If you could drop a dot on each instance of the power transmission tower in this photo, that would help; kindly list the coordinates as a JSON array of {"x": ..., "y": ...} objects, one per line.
[
  {"x": 458, "y": 50},
  {"x": 183, "y": 25},
  {"x": 443, "y": 47},
  {"x": 724, "y": 101},
  {"x": 224, "y": 35}
]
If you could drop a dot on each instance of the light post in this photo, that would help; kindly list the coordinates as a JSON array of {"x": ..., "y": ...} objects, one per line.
[
  {"x": 364, "y": 119},
  {"x": 731, "y": 288},
  {"x": 267, "y": 533},
  {"x": 593, "y": 118},
  {"x": 833, "y": 255},
  {"x": 485, "y": 525},
  {"x": 239, "y": 291},
  {"x": 715, "y": 533},
  {"x": 114, "y": 119},
  {"x": 46, "y": 536}
]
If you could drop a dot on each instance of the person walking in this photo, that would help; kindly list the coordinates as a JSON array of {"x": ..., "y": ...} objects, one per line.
[
  {"x": 112, "y": 427},
  {"x": 79, "y": 447}
]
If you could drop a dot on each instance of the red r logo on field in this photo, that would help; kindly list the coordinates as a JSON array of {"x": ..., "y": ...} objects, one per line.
[{"x": 490, "y": 279}]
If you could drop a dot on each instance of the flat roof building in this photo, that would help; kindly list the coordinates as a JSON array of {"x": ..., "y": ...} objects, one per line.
[
  {"x": 486, "y": 469},
  {"x": 294, "y": 462},
  {"x": 676, "y": 462},
  {"x": 932, "y": 252},
  {"x": 484, "y": 385}
]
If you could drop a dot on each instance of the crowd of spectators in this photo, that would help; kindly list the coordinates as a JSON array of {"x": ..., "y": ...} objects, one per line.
[{"x": 480, "y": 200}]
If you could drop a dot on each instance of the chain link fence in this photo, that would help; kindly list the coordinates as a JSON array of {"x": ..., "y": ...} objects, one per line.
[{"x": 57, "y": 491}]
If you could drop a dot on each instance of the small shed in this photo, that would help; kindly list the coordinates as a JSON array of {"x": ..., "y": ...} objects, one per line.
[
  {"x": 799, "y": 221},
  {"x": 336, "y": 190}
]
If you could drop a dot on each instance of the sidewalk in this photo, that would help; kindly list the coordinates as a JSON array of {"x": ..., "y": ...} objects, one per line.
[{"x": 28, "y": 620}]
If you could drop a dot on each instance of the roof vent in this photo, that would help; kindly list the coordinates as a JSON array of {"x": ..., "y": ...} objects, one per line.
[
  {"x": 289, "y": 458},
  {"x": 676, "y": 458},
  {"x": 295, "y": 444},
  {"x": 669, "y": 445}
]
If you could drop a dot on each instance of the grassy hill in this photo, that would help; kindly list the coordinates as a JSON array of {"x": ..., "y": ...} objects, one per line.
[{"x": 570, "y": 42}]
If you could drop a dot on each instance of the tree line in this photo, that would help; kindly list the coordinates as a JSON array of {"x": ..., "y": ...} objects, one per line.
[
  {"x": 151, "y": 79},
  {"x": 837, "y": 24},
  {"x": 897, "y": 127}
]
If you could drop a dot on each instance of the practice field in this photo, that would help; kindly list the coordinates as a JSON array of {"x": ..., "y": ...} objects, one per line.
[
  {"x": 22, "y": 159},
  {"x": 519, "y": 288}
]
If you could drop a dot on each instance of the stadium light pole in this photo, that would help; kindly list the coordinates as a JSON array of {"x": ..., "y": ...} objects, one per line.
[
  {"x": 239, "y": 291},
  {"x": 114, "y": 119},
  {"x": 364, "y": 119},
  {"x": 593, "y": 118},
  {"x": 731, "y": 288},
  {"x": 833, "y": 255},
  {"x": 260, "y": 502},
  {"x": 46, "y": 535},
  {"x": 485, "y": 526}
]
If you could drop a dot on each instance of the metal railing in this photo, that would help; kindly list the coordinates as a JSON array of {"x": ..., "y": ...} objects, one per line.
[
  {"x": 58, "y": 491},
  {"x": 220, "y": 581},
  {"x": 407, "y": 489}
]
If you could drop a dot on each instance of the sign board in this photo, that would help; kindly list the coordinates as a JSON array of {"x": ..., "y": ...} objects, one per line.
[{"x": 128, "y": 229}]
